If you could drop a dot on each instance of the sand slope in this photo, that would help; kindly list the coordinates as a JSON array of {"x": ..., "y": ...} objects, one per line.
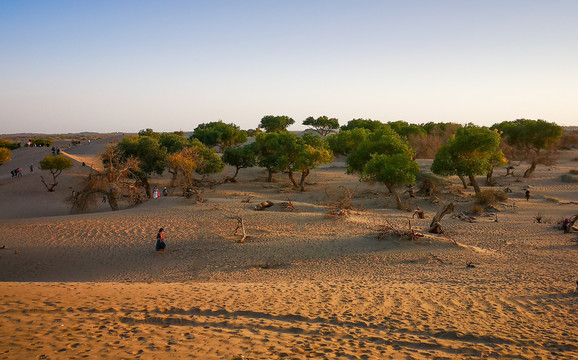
[{"x": 304, "y": 285}]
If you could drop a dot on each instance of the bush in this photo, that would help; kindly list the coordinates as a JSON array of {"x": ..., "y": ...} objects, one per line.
[
  {"x": 501, "y": 196},
  {"x": 8, "y": 144},
  {"x": 569, "y": 178},
  {"x": 477, "y": 210},
  {"x": 574, "y": 171},
  {"x": 486, "y": 198}
]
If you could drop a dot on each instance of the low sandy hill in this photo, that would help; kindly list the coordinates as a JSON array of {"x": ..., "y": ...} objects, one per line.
[{"x": 304, "y": 284}]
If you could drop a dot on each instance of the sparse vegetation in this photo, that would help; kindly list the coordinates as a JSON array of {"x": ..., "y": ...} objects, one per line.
[{"x": 567, "y": 178}]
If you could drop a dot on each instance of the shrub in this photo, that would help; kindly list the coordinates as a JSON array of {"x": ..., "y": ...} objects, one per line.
[
  {"x": 574, "y": 171},
  {"x": 569, "y": 178},
  {"x": 477, "y": 210},
  {"x": 486, "y": 198},
  {"x": 501, "y": 196}
]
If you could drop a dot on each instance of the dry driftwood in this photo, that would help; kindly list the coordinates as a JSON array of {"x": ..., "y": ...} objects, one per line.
[
  {"x": 263, "y": 205},
  {"x": 390, "y": 229},
  {"x": 419, "y": 213},
  {"x": 288, "y": 205},
  {"x": 464, "y": 217},
  {"x": 435, "y": 226},
  {"x": 339, "y": 212},
  {"x": 241, "y": 226},
  {"x": 572, "y": 220}
]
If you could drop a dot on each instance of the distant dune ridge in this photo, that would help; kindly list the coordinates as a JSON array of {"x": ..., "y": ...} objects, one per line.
[{"x": 304, "y": 285}]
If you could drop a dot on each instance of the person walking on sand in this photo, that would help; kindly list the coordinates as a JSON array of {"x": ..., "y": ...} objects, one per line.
[
  {"x": 527, "y": 195},
  {"x": 161, "y": 245},
  {"x": 165, "y": 191},
  {"x": 155, "y": 193},
  {"x": 566, "y": 225}
]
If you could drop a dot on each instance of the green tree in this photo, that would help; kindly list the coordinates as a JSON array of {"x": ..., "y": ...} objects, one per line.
[
  {"x": 5, "y": 155},
  {"x": 404, "y": 129},
  {"x": 376, "y": 157},
  {"x": 152, "y": 157},
  {"x": 241, "y": 158},
  {"x": 322, "y": 125},
  {"x": 173, "y": 143},
  {"x": 148, "y": 132},
  {"x": 219, "y": 134},
  {"x": 312, "y": 151},
  {"x": 273, "y": 123},
  {"x": 275, "y": 151},
  {"x": 534, "y": 140},
  {"x": 347, "y": 141},
  {"x": 368, "y": 124},
  {"x": 4, "y": 143},
  {"x": 471, "y": 151},
  {"x": 54, "y": 164}
]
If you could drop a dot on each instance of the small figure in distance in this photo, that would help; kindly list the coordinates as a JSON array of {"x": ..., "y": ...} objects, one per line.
[
  {"x": 527, "y": 195},
  {"x": 161, "y": 245},
  {"x": 155, "y": 193},
  {"x": 165, "y": 191},
  {"x": 104, "y": 198},
  {"x": 31, "y": 168},
  {"x": 565, "y": 226}
]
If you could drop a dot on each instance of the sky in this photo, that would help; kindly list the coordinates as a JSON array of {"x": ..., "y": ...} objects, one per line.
[{"x": 122, "y": 66}]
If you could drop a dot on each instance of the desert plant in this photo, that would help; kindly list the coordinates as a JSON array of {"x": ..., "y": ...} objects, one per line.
[
  {"x": 569, "y": 178},
  {"x": 486, "y": 198},
  {"x": 573, "y": 171},
  {"x": 54, "y": 164},
  {"x": 5, "y": 155},
  {"x": 477, "y": 210}
]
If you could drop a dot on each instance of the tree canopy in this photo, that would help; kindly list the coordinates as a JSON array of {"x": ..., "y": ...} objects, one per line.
[
  {"x": 241, "y": 158},
  {"x": 368, "y": 124},
  {"x": 322, "y": 125},
  {"x": 530, "y": 137},
  {"x": 471, "y": 151},
  {"x": 346, "y": 141},
  {"x": 219, "y": 134},
  {"x": 5, "y": 155},
  {"x": 273, "y": 123},
  {"x": 386, "y": 157},
  {"x": 55, "y": 164}
]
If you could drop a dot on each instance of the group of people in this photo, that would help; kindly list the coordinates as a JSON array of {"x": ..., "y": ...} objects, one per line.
[
  {"x": 156, "y": 193},
  {"x": 18, "y": 171},
  {"x": 55, "y": 151}
]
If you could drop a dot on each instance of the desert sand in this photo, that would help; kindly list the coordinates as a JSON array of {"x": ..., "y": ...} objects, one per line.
[{"x": 304, "y": 285}]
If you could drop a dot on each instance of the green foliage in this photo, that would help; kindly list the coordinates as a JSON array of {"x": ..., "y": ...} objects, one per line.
[
  {"x": 529, "y": 135},
  {"x": 404, "y": 129},
  {"x": 240, "y": 157},
  {"x": 209, "y": 161},
  {"x": 311, "y": 151},
  {"x": 392, "y": 170},
  {"x": 42, "y": 142},
  {"x": 347, "y": 141},
  {"x": 323, "y": 125},
  {"x": 9, "y": 144},
  {"x": 5, "y": 155},
  {"x": 471, "y": 151},
  {"x": 254, "y": 132},
  {"x": 219, "y": 134},
  {"x": 273, "y": 123},
  {"x": 368, "y": 124},
  {"x": 383, "y": 141},
  {"x": 152, "y": 157},
  {"x": 148, "y": 132},
  {"x": 274, "y": 149},
  {"x": 55, "y": 163},
  {"x": 173, "y": 142}
]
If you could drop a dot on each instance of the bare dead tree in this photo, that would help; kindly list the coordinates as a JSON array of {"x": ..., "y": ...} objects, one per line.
[
  {"x": 435, "y": 226},
  {"x": 240, "y": 226}
]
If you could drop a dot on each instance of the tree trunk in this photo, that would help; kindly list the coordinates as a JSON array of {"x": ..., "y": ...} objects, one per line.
[
  {"x": 397, "y": 197},
  {"x": 145, "y": 184},
  {"x": 530, "y": 170},
  {"x": 234, "y": 178},
  {"x": 304, "y": 174},
  {"x": 435, "y": 226},
  {"x": 463, "y": 181},
  {"x": 292, "y": 178},
  {"x": 489, "y": 180},
  {"x": 50, "y": 187},
  {"x": 112, "y": 200},
  {"x": 174, "y": 174},
  {"x": 475, "y": 185},
  {"x": 270, "y": 175}
]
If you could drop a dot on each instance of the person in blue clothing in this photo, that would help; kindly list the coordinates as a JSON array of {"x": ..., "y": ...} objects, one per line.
[{"x": 161, "y": 245}]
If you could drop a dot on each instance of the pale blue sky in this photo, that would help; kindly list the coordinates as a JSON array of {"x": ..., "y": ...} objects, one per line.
[{"x": 70, "y": 66}]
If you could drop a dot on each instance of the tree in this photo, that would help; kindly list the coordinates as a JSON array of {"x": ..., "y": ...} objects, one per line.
[
  {"x": 322, "y": 125},
  {"x": 347, "y": 141},
  {"x": 152, "y": 157},
  {"x": 530, "y": 138},
  {"x": 5, "y": 155},
  {"x": 386, "y": 157},
  {"x": 55, "y": 164},
  {"x": 273, "y": 123},
  {"x": 241, "y": 158},
  {"x": 275, "y": 151},
  {"x": 312, "y": 151},
  {"x": 368, "y": 124},
  {"x": 4, "y": 143},
  {"x": 173, "y": 143},
  {"x": 471, "y": 151},
  {"x": 219, "y": 134},
  {"x": 195, "y": 158},
  {"x": 404, "y": 129}
]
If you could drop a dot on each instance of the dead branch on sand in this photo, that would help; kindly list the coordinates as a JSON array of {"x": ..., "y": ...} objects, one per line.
[
  {"x": 240, "y": 225},
  {"x": 419, "y": 213},
  {"x": 263, "y": 205},
  {"x": 464, "y": 217},
  {"x": 389, "y": 229},
  {"x": 435, "y": 226},
  {"x": 288, "y": 205}
]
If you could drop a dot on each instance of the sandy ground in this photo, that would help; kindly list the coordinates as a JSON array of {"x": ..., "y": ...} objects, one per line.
[{"x": 304, "y": 285}]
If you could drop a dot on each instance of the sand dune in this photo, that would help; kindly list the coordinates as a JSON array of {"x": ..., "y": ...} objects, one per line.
[{"x": 304, "y": 285}]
